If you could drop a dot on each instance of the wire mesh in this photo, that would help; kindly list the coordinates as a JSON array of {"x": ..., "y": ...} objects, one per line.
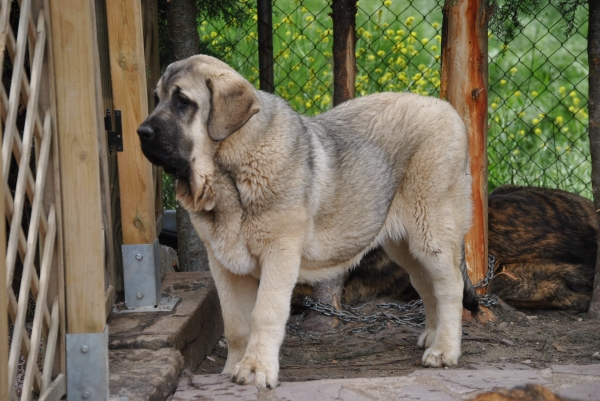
[{"x": 538, "y": 83}]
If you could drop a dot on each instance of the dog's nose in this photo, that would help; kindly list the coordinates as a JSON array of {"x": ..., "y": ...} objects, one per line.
[{"x": 145, "y": 132}]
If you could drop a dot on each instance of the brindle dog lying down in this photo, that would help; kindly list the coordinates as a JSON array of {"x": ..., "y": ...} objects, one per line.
[{"x": 544, "y": 241}]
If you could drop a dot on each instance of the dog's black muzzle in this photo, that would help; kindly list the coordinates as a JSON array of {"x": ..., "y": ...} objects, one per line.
[{"x": 164, "y": 150}]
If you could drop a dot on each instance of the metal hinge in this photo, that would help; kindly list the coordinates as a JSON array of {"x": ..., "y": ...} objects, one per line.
[{"x": 115, "y": 138}]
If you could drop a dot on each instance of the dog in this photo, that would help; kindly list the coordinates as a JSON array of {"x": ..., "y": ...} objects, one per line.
[
  {"x": 545, "y": 244},
  {"x": 279, "y": 198}
]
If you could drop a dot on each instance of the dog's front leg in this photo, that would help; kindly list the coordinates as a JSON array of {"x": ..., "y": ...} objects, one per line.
[
  {"x": 280, "y": 265},
  {"x": 237, "y": 295}
]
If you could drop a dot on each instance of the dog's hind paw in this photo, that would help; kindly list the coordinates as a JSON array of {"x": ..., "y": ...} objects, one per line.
[
  {"x": 435, "y": 358},
  {"x": 248, "y": 372}
]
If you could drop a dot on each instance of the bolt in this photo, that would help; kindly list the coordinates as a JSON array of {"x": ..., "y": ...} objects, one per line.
[
  {"x": 85, "y": 395},
  {"x": 139, "y": 256},
  {"x": 85, "y": 349},
  {"x": 140, "y": 295}
]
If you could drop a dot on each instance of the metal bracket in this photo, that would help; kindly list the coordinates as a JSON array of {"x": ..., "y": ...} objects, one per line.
[
  {"x": 87, "y": 366},
  {"x": 141, "y": 276},
  {"x": 115, "y": 138},
  {"x": 164, "y": 305}
]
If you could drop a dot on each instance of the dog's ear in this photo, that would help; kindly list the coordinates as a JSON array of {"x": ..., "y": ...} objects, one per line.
[{"x": 232, "y": 103}]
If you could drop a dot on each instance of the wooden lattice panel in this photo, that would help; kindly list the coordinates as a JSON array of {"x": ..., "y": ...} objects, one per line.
[{"x": 29, "y": 173}]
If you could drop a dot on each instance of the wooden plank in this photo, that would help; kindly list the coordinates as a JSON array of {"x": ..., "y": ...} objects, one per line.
[
  {"x": 465, "y": 85},
  {"x": 151, "y": 58},
  {"x": 79, "y": 125},
  {"x": 110, "y": 173},
  {"x": 128, "y": 74},
  {"x": 3, "y": 302}
]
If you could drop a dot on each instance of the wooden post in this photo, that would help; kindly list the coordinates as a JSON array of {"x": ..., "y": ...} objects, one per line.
[
  {"x": 265, "y": 45},
  {"x": 151, "y": 57},
  {"x": 128, "y": 74},
  {"x": 344, "y": 45},
  {"x": 593, "y": 51},
  {"x": 465, "y": 85},
  {"x": 109, "y": 178},
  {"x": 79, "y": 124}
]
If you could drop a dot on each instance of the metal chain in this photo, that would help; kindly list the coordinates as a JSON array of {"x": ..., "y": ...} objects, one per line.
[
  {"x": 411, "y": 313},
  {"x": 490, "y": 272}
]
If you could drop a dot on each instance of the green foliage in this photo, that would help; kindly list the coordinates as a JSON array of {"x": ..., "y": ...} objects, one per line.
[{"x": 507, "y": 16}]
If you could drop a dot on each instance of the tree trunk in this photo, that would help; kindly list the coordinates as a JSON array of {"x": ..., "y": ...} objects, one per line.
[
  {"x": 183, "y": 29},
  {"x": 344, "y": 44},
  {"x": 465, "y": 85},
  {"x": 594, "y": 131}
]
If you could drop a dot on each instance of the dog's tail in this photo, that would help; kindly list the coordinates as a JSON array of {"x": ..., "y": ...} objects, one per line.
[{"x": 470, "y": 301}]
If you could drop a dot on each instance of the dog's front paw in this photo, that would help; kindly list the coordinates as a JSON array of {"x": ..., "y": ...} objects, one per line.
[
  {"x": 436, "y": 358},
  {"x": 256, "y": 372},
  {"x": 426, "y": 338}
]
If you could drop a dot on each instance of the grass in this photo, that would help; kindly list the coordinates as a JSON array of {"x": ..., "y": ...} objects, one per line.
[{"x": 538, "y": 114}]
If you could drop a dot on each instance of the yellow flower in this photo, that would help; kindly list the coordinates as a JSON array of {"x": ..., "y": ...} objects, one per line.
[
  {"x": 494, "y": 106},
  {"x": 514, "y": 70},
  {"x": 565, "y": 129},
  {"x": 390, "y": 32},
  {"x": 213, "y": 34},
  {"x": 435, "y": 25},
  {"x": 309, "y": 18},
  {"x": 381, "y": 53},
  {"x": 558, "y": 120},
  {"x": 522, "y": 132},
  {"x": 534, "y": 94},
  {"x": 400, "y": 32},
  {"x": 424, "y": 41},
  {"x": 541, "y": 115},
  {"x": 308, "y": 104},
  {"x": 503, "y": 82},
  {"x": 409, "y": 21},
  {"x": 433, "y": 48},
  {"x": 387, "y": 3},
  {"x": 535, "y": 121},
  {"x": 572, "y": 109},
  {"x": 414, "y": 34},
  {"x": 517, "y": 93},
  {"x": 538, "y": 132},
  {"x": 371, "y": 57}
]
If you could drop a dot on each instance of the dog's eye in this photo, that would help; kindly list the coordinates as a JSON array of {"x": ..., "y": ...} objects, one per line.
[
  {"x": 156, "y": 100},
  {"x": 181, "y": 101}
]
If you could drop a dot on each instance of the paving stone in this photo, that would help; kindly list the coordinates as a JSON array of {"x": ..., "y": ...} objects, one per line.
[
  {"x": 583, "y": 391},
  {"x": 464, "y": 381},
  {"x": 213, "y": 387},
  {"x": 590, "y": 370},
  {"x": 420, "y": 392},
  {"x": 322, "y": 390}
]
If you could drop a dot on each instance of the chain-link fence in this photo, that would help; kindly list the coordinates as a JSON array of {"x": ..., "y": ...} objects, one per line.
[{"x": 538, "y": 83}]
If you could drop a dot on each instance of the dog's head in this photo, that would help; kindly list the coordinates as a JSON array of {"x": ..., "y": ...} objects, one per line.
[{"x": 200, "y": 102}]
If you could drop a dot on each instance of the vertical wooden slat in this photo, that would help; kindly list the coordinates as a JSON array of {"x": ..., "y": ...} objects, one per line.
[
  {"x": 79, "y": 125},
  {"x": 3, "y": 300},
  {"x": 151, "y": 57},
  {"x": 465, "y": 85},
  {"x": 344, "y": 45},
  {"x": 128, "y": 75},
  {"x": 108, "y": 163}
]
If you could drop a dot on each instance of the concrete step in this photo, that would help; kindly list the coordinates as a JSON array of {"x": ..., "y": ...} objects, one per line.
[{"x": 148, "y": 351}]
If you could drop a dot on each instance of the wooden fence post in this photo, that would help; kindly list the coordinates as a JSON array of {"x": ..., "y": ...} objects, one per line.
[
  {"x": 465, "y": 85},
  {"x": 128, "y": 73},
  {"x": 79, "y": 125},
  {"x": 344, "y": 45}
]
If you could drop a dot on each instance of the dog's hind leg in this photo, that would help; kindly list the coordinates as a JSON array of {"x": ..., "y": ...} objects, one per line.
[
  {"x": 237, "y": 295},
  {"x": 400, "y": 254}
]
